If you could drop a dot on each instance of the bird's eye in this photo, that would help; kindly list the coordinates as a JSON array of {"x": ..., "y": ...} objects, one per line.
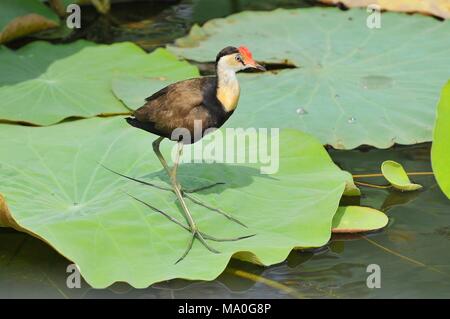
[{"x": 238, "y": 58}]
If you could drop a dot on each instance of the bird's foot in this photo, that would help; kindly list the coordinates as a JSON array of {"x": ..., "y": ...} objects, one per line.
[
  {"x": 199, "y": 236},
  {"x": 202, "y": 237}
]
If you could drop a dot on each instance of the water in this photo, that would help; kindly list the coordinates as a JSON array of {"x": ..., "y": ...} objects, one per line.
[
  {"x": 154, "y": 23},
  {"x": 412, "y": 251}
]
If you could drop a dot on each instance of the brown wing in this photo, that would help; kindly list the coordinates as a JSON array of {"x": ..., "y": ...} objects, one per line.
[{"x": 175, "y": 106}]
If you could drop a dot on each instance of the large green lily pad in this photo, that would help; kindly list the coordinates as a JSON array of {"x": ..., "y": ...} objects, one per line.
[
  {"x": 23, "y": 17},
  {"x": 440, "y": 151},
  {"x": 78, "y": 85},
  {"x": 32, "y": 60},
  {"x": 133, "y": 90},
  {"x": 353, "y": 85},
  {"x": 55, "y": 189}
]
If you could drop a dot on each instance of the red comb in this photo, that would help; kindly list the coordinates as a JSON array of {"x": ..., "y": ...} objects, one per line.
[{"x": 245, "y": 52}]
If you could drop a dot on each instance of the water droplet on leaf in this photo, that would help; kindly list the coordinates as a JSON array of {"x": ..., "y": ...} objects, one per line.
[{"x": 301, "y": 111}]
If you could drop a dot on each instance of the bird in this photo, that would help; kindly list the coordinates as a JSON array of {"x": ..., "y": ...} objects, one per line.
[{"x": 207, "y": 100}]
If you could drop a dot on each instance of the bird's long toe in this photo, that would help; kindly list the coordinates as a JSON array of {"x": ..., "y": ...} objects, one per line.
[
  {"x": 196, "y": 234},
  {"x": 202, "y": 188},
  {"x": 212, "y": 238}
]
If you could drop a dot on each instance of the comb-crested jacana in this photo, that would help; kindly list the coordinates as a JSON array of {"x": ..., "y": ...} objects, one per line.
[{"x": 210, "y": 100}]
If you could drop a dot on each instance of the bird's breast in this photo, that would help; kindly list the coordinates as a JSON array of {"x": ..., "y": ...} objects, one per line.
[{"x": 228, "y": 95}]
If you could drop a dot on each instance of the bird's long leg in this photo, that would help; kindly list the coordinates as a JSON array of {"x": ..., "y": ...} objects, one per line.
[
  {"x": 158, "y": 153},
  {"x": 192, "y": 224},
  {"x": 173, "y": 177}
]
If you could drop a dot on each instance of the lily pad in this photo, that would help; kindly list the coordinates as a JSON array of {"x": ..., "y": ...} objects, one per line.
[
  {"x": 351, "y": 189},
  {"x": 133, "y": 90},
  {"x": 23, "y": 17},
  {"x": 33, "y": 60},
  {"x": 440, "y": 151},
  {"x": 358, "y": 219},
  {"x": 353, "y": 85},
  {"x": 56, "y": 189},
  {"x": 78, "y": 85},
  {"x": 439, "y": 8},
  {"x": 396, "y": 175}
]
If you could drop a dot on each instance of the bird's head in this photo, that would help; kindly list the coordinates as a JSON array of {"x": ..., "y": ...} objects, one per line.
[{"x": 236, "y": 59}]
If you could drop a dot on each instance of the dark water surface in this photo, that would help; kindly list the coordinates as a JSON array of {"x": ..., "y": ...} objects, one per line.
[{"x": 412, "y": 251}]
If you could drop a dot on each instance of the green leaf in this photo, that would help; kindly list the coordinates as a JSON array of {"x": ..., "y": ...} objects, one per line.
[
  {"x": 32, "y": 60},
  {"x": 22, "y": 17},
  {"x": 56, "y": 189},
  {"x": 358, "y": 219},
  {"x": 133, "y": 90},
  {"x": 396, "y": 175},
  {"x": 351, "y": 189},
  {"x": 440, "y": 151},
  {"x": 78, "y": 85},
  {"x": 352, "y": 85}
]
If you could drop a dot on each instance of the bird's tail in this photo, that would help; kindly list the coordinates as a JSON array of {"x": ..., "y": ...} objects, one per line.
[
  {"x": 133, "y": 122},
  {"x": 146, "y": 126}
]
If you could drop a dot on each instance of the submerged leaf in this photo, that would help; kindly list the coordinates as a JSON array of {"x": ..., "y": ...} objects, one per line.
[
  {"x": 57, "y": 190},
  {"x": 78, "y": 85},
  {"x": 358, "y": 219},
  {"x": 353, "y": 85},
  {"x": 396, "y": 175},
  {"x": 439, "y": 8},
  {"x": 440, "y": 151},
  {"x": 22, "y": 17}
]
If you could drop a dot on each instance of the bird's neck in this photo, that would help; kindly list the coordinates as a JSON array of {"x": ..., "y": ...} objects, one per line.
[{"x": 227, "y": 88}]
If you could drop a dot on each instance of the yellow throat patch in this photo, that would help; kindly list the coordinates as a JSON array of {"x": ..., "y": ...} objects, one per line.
[{"x": 228, "y": 95}]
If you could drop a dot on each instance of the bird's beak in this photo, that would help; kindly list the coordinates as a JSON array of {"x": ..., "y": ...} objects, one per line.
[
  {"x": 259, "y": 67},
  {"x": 254, "y": 65}
]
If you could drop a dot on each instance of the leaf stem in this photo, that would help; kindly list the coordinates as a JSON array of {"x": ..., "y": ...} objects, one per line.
[
  {"x": 381, "y": 175},
  {"x": 373, "y": 185}
]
